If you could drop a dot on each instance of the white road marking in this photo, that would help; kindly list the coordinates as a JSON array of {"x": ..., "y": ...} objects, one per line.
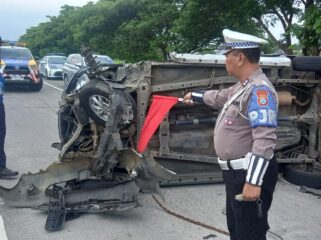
[
  {"x": 53, "y": 86},
  {"x": 3, "y": 234}
]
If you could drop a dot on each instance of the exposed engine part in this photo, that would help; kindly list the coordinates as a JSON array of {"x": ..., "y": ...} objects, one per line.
[
  {"x": 302, "y": 104},
  {"x": 56, "y": 211},
  {"x": 285, "y": 98},
  {"x": 196, "y": 121},
  {"x": 110, "y": 142},
  {"x": 287, "y": 135}
]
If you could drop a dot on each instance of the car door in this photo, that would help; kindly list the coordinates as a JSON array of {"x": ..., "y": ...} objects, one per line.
[
  {"x": 69, "y": 67},
  {"x": 79, "y": 63},
  {"x": 42, "y": 65},
  {"x": 74, "y": 66}
]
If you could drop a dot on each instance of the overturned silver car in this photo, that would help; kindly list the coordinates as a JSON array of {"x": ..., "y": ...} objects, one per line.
[{"x": 103, "y": 108}]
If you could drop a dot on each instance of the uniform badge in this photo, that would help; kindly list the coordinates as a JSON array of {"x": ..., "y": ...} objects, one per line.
[
  {"x": 262, "y": 97},
  {"x": 262, "y": 108}
]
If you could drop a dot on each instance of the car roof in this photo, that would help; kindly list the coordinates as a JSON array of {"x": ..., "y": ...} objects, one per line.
[
  {"x": 98, "y": 55},
  {"x": 95, "y": 55},
  {"x": 56, "y": 56},
  {"x": 15, "y": 47}
]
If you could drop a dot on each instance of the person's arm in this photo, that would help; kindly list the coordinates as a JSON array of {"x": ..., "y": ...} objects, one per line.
[
  {"x": 213, "y": 98},
  {"x": 262, "y": 114}
]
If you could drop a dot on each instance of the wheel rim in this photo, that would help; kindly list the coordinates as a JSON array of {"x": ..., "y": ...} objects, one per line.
[{"x": 100, "y": 105}]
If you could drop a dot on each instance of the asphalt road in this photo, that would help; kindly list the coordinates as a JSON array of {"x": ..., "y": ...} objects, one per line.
[{"x": 32, "y": 128}]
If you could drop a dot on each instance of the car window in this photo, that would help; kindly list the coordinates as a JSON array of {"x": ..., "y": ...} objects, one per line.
[
  {"x": 69, "y": 60},
  {"x": 44, "y": 60},
  {"x": 73, "y": 60},
  {"x": 78, "y": 61},
  {"x": 56, "y": 60},
  {"x": 104, "y": 59},
  {"x": 16, "y": 53}
]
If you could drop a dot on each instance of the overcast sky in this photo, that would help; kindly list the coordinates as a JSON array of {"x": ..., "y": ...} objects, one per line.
[{"x": 18, "y": 15}]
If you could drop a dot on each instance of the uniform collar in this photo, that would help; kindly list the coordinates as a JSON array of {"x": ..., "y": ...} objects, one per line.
[
  {"x": 245, "y": 83},
  {"x": 255, "y": 74},
  {"x": 252, "y": 76}
]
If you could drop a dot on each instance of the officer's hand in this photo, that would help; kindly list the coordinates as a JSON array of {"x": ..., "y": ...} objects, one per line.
[
  {"x": 251, "y": 192},
  {"x": 188, "y": 99}
]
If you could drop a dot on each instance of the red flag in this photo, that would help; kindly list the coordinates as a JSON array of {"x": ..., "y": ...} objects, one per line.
[{"x": 158, "y": 109}]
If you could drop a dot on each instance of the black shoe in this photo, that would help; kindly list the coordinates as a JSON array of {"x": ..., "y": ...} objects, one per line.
[{"x": 7, "y": 173}]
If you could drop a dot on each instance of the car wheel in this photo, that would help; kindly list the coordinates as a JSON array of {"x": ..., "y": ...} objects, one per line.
[
  {"x": 36, "y": 87},
  {"x": 96, "y": 100},
  {"x": 307, "y": 63},
  {"x": 301, "y": 175}
]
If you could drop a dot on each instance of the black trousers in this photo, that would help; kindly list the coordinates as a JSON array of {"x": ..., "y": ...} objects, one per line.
[
  {"x": 243, "y": 220},
  {"x": 2, "y": 135}
]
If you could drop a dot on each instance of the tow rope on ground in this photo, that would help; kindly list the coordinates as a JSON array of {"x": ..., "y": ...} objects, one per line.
[{"x": 190, "y": 220}]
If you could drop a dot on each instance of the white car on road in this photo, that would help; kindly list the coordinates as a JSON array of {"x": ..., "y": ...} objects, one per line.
[
  {"x": 50, "y": 67},
  {"x": 75, "y": 62}
]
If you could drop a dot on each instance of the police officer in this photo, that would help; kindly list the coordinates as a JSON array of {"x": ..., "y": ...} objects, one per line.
[
  {"x": 4, "y": 172},
  {"x": 245, "y": 137}
]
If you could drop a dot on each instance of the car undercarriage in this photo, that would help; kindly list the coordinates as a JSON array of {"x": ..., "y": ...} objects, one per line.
[{"x": 103, "y": 108}]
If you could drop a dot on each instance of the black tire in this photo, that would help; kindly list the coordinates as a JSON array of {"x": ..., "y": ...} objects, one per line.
[
  {"x": 66, "y": 125},
  {"x": 299, "y": 175},
  {"x": 88, "y": 92},
  {"x": 36, "y": 87},
  {"x": 307, "y": 63}
]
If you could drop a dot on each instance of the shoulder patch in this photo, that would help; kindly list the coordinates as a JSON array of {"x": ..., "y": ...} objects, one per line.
[
  {"x": 262, "y": 109},
  {"x": 262, "y": 97}
]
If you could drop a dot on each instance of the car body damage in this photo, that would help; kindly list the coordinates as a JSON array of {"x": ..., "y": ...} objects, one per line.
[{"x": 103, "y": 108}]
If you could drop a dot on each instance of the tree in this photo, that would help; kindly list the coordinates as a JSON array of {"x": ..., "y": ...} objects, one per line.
[
  {"x": 101, "y": 22},
  {"x": 309, "y": 32},
  {"x": 149, "y": 35},
  {"x": 136, "y": 30},
  {"x": 92, "y": 25},
  {"x": 201, "y": 23},
  {"x": 53, "y": 36},
  {"x": 268, "y": 12}
]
